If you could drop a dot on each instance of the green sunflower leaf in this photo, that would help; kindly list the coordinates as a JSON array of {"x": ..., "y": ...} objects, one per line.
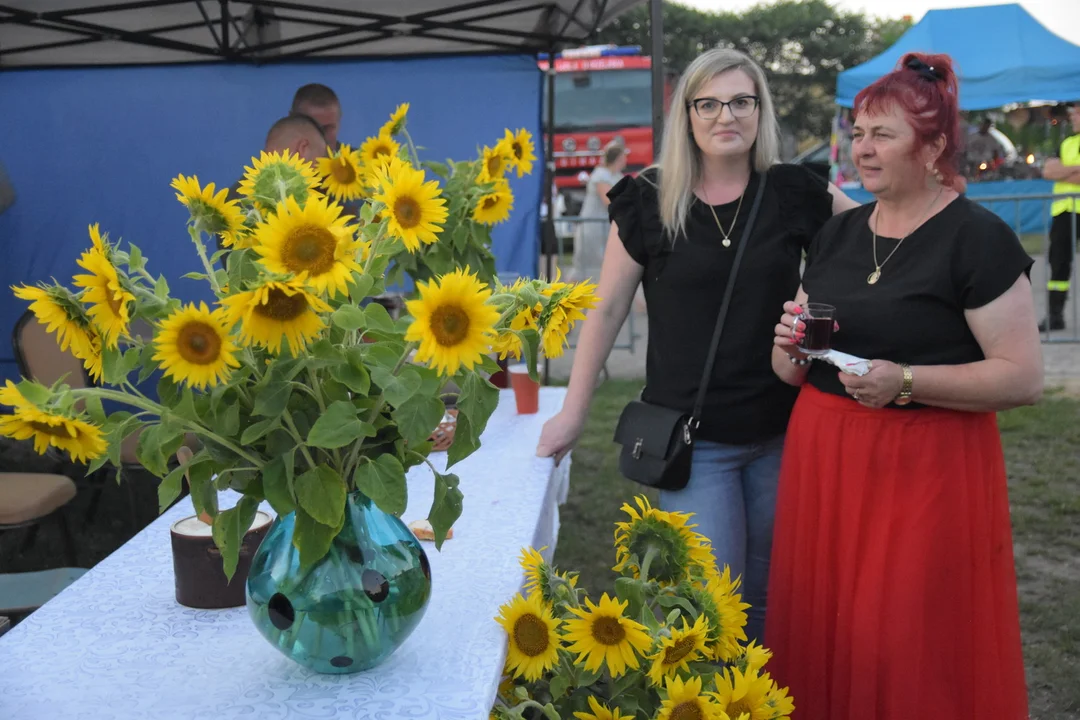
[
  {"x": 337, "y": 427},
  {"x": 320, "y": 492},
  {"x": 360, "y": 286},
  {"x": 466, "y": 441},
  {"x": 378, "y": 318},
  {"x": 445, "y": 507},
  {"x": 397, "y": 389},
  {"x": 230, "y": 526},
  {"x": 418, "y": 417},
  {"x": 383, "y": 480},
  {"x": 349, "y": 317},
  {"x": 312, "y": 538},
  {"x": 278, "y": 483}
]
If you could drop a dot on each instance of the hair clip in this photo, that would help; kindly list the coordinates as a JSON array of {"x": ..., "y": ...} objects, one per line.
[{"x": 928, "y": 72}]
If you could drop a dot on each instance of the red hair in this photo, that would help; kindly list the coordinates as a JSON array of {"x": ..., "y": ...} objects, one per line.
[{"x": 925, "y": 87}]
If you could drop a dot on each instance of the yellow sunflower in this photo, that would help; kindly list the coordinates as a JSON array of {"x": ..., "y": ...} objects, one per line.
[
  {"x": 193, "y": 346},
  {"x": 508, "y": 343},
  {"x": 80, "y": 439},
  {"x": 603, "y": 634},
  {"x": 210, "y": 211},
  {"x": 533, "y": 640},
  {"x": 679, "y": 650},
  {"x": 601, "y": 712},
  {"x": 535, "y": 567},
  {"x": 452, "y": 322},
  {"x": 314, "y": 239},
  {"x": 276, "y": 310},
  {"x": 685, "y": 702},
  {"x": 60, "y": 312},
  {"x": 522, "y": 151},
  {"x": 743, "y": 695},
  {"x": 342, "y": 174},
  {"x": 494, "y": 163},
  {"x": 274, "y": 176},
  {"x": 92, "y": 358},
  {"x": 109, "y": 300},
  {"x": 415, "y": 210},
  {"x": 780, "y": 704},
  {"x": 753, "y": 657},
  {"x": 396, "y": 123},
  {"x": 95, "y": 237},
  {"x": 378, "y": 149},
  {"x": 567, "y": 306},
  {"x": 722, "y": 606},
  {"x": 494, "y": 207},
  {"x": 677, "y": 550}
]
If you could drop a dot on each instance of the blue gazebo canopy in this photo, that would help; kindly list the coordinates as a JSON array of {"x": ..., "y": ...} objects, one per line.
[{"x": 1002, "y": 55}]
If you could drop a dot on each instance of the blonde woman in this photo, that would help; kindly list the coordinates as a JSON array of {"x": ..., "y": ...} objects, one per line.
[{"x": 675, "y": 229}]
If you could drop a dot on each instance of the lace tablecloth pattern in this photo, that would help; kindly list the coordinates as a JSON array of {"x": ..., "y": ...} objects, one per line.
[{"x": 117, "y": 646}]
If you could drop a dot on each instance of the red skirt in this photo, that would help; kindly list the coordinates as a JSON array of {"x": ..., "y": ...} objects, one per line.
[{"x": 892, "y": 592}]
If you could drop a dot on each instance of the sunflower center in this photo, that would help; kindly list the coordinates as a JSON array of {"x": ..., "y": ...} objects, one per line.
[
  {"x": 46, "y": 429},
  {"x": 738, "y": 707},
  {"x": 310, "y": 248},
  {"x": 199, "y": 343},
  {"x": 608, "y": 631},
  {"x": 679, "y": 650},
  {"x": 494, "y": 164},
  {"x": 490, "y": 201},
  {"x": 689, "y": 710},
  {"x": 518, "y": 150},
  {"x": 343, "y": 172},
  {"x": 382, "y": 150},
  {"x": 449, "y": 325},
  {"x": 407, "y": 212},
  {"x": 281, "y": 306},
  {"x": 531, "y": 635}
]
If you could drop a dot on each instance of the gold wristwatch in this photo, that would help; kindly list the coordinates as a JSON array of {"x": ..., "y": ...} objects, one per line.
[{"x": 905, "y": 390}]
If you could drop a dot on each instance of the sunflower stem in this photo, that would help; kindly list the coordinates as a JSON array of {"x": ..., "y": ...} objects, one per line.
[
  {"x": 649, "y": 555},
  {"x": 155, "y": 409},
  {"x": 315, "y": 385},
  {"x": 295, "y": 432},
  {"x": 200, "y": 248},
  {"x": 412, "y": 147}
]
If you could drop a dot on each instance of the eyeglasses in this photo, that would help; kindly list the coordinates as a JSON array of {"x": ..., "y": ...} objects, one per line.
[{"x": 710, "y": 108}]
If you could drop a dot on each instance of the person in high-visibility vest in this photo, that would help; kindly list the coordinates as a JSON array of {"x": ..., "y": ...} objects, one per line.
[{"x": 1064, "y": 170}]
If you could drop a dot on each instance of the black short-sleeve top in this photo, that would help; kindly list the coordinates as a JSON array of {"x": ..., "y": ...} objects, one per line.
[
  {"x": 684, "y": 280},
  {"x": 960, "y": 259}
]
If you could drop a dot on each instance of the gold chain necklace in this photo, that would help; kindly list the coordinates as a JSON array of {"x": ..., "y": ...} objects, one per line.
[
  {"x": 726, "y": 242},
  {"x": 876, "y": 275}
]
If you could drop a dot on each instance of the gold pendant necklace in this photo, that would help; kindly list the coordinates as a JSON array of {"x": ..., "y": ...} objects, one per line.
[
  {"x": 726, "y": 242},
  {"x": 876, "y": 275}
]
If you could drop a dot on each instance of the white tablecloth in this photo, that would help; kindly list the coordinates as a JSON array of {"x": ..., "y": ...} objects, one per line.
[{"x": 117, "y": 646}]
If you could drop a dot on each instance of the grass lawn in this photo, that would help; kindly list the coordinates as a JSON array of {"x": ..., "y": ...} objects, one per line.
[{"x": 1042, "y": 448}]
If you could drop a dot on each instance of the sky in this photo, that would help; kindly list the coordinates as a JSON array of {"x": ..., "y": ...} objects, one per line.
[{"x": 1059, "y": 16}]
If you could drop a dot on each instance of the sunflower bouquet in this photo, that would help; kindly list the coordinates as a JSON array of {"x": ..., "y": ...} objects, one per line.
[
  {"x": 669, "y": 645},
  {"x": 293, "y": 386},
  {"x": 477, "y": 191}
]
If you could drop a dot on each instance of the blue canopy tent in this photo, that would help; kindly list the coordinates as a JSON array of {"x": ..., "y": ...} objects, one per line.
[
  {"x": 1003, "y": 55},
  {"x": 105, "y": 104}
]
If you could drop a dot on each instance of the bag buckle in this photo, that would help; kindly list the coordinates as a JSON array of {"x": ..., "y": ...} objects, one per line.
[
  {"x": 636, "y": 452},
  {"x": 691, "y": 424}
]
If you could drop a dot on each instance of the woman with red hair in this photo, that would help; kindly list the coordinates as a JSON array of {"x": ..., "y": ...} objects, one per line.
[{"x": 892, "y": 591}]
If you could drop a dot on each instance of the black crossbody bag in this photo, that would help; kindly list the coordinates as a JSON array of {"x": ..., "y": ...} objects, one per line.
[{"x": 657, "y": 441}]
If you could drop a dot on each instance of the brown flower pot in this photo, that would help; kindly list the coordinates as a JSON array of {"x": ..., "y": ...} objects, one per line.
[{"x": 200, "y": 577}]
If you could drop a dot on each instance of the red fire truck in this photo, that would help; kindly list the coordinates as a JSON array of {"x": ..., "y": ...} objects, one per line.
[{"x": 603, "y": 93}]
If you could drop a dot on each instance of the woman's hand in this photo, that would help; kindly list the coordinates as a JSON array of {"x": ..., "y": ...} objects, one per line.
[
  {"x": 790, "y": 330},
  {"x": 559, "y": 435},
  {"x": 877, "y": 388}
]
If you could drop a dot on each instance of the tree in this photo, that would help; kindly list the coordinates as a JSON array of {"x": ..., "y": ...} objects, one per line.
[{"x": 802, "y": 46}]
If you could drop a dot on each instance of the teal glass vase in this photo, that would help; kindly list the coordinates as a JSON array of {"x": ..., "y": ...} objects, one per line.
[{"x": 352, "y": 609}]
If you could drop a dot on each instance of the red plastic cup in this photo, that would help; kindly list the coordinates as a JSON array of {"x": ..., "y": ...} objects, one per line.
[{"x": 526, "y": 390}]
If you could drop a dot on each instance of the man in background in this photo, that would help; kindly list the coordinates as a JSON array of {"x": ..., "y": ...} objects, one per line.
[
  {"x": 320, "y": 103},
  {"x": 1064, "y": 170}
]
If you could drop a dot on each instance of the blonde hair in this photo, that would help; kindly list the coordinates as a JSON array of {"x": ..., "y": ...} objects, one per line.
[{"x": 680, "y": 157}]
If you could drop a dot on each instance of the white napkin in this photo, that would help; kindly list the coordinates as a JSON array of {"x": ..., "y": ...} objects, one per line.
[{"x": 848, "y": 363}]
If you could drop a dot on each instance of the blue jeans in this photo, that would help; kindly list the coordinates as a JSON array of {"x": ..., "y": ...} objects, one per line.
[{"x": 732, "y": 493}]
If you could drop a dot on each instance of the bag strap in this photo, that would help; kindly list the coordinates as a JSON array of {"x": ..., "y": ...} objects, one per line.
[{"x": 699, "y": 403}]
